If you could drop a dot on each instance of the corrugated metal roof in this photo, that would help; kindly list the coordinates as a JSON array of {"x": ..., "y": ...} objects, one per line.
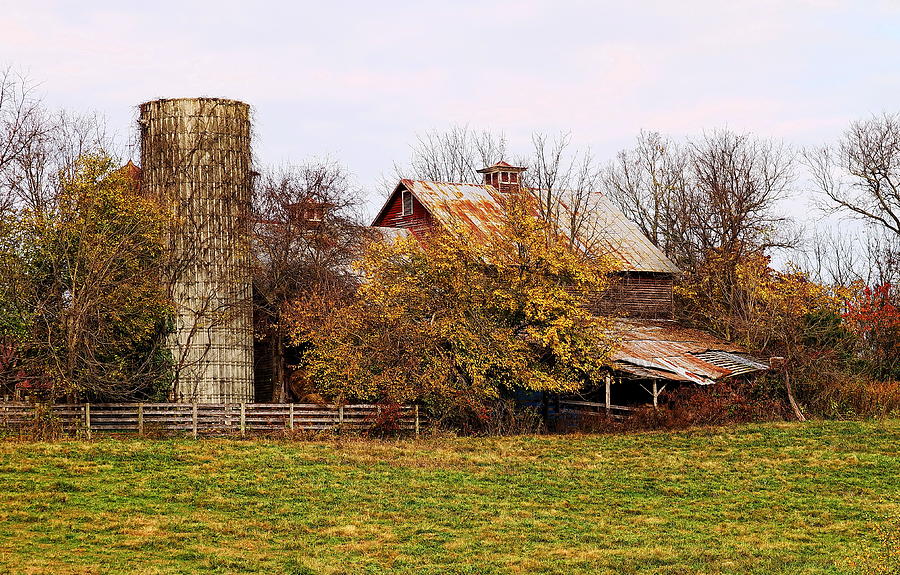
[
  {"x": 665, "y": 350},
  {"x": 478, "y": 206},
  {"x": 737, "y": 363}
]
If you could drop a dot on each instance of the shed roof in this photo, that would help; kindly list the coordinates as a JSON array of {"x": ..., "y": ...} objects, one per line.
[
  {"x": 479, "y": 208},
  {"x": 666, "y": 350}
]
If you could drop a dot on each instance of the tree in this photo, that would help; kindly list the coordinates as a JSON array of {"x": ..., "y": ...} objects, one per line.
[
  {"x": 450, "y": 320},
  {"x": 717, "y": 192},
  {"x": 21, "y": 127},
  {"x": 306, "y": 233},
  {"x": 454, "y": 155},
  {"x": 872, "y": 313},
  {"x": 565, "y": 181},
  {"x": 780, "y": 313},
  {"x": 649, "y": 183},
  {"x": 861, "y": 175},
  {"x": 90, "y": 311}
]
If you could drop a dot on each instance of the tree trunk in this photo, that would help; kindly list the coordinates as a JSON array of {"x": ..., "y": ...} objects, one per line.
[
  {"x": 278, "y": 380},
  {"x": 790, "y": 394}
]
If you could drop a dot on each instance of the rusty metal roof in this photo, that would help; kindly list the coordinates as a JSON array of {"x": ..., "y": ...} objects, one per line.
[
  {"x": 665, "y": 350},
  {"x": 479, "y": 208}
]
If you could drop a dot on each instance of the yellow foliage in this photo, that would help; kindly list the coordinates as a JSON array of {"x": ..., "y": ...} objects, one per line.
[
  {"x": 747, "y": 300},
  {"x": 92, "y": 306},
  {"x": 451, "y": 315}
]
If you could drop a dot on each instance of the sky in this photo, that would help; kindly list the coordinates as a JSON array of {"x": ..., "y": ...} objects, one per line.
[{"x": 357, "y": 81}]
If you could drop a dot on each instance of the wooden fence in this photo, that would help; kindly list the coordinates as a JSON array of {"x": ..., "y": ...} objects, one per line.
[
  {"x": 593, "y": 408},
  {"x": 205, "y": 419}
]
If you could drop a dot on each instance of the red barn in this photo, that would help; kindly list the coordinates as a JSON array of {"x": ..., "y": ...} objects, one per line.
[{"x": 654, "y": 348}]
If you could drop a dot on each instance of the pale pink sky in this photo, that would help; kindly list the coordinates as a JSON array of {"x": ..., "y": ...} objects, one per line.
[{"x": 358, "y": 80}]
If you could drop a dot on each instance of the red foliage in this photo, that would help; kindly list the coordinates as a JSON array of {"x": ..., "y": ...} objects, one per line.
[
  {"x": 875, "y": 318},
  {"x": 873, "y": 310},
  {"x": 387, "y": 420}
]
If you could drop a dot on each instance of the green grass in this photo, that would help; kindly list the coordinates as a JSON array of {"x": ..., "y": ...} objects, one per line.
[{"x": 783, "y": 498}]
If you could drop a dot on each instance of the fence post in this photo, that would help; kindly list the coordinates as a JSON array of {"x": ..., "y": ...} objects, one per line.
[
  {"x": 417, "y": 420},
  {"x": 194, "y": 420},
  {"x": 291, "y": 408},
  {"x": 608, "y": 391},
  {"x": 243, "y": 418},
  {"x": 87, "y": 418},
  {"x": 141, "y": 419},
  {"x": 341, "y": 415}
]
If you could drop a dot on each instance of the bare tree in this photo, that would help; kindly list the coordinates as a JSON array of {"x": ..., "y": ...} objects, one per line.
[
  {"x": 739, "y": 179},
  {"x": 861, "y": 175},
  {"x": 718, "y": 192},
  {"x": 455, "y": 155},
  {"x": 565, "y": 181},
  {"x": 649, "y": 183},
  {"x": 307, "y": 231},
  {"x": 22, "y": 125},
  {"x": 833, "y": 257}
]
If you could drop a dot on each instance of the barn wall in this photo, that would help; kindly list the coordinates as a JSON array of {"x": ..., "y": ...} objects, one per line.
[
  {"x": 419, "y": 220},
  {"x": 643, "y": 294}
]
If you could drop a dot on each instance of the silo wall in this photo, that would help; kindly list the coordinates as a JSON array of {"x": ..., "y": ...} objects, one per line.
[{"x": 196, "y": 159}]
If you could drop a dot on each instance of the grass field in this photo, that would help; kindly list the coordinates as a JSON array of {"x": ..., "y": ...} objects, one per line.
[{"x": 786, "y": 498}]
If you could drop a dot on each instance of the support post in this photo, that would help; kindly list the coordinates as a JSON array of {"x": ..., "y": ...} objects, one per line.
[
  {"x": 417, "y": 420},
  {"x": 655, "y": 395},
  {"x": 341, "y": 415},
  {"x": 291, "y": 417},
  {"x": 194, "y": 420},
  {"x": 87, "y": 418},
  {"x": 243, "y": 419},
  {"x": 141, "y": 419},
  {"x": 608, "y": 391}
]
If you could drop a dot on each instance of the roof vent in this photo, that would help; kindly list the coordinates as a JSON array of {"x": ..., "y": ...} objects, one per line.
[{"x": 503, "y": 177}]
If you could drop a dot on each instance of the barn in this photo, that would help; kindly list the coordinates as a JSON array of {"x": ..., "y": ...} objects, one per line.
[{"x": 654, "y": 350}]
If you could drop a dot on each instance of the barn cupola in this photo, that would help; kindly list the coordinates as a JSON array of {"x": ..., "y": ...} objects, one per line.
[{"x": 503, "y": 177}]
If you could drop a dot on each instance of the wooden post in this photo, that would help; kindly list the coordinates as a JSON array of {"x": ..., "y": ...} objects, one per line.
[
  {"x": 243, "y": 419},
  {"x": 417, "y": 420},
  {"x": 141, "y": 419},
  {"x": 608, "y": 391},
  {"x": 341, "y": 415},
  {"x": 291, "y": 417},
  {"x": 655, "y": 395},
  {"x": 194, "y": 420},
  {"x": 87, "y": 418}
]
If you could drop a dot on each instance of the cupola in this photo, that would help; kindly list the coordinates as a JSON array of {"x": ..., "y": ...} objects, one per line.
[{"x": 503, "y": 177}]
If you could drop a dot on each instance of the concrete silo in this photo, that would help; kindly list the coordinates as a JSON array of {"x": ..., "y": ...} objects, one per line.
[{"x": 195, "y": 157}]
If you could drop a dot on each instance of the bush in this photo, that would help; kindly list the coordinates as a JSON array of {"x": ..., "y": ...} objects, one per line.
[
  {"x": 836, "y": 393},
  {"x": 724, "y": 403},
  {"x": 500, "y": 417}
]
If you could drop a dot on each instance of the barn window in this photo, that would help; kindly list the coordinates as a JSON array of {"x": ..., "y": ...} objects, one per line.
[{"x": 407, "y": 199}]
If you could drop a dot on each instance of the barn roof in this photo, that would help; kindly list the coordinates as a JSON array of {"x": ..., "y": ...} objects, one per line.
[
  {"x": 479, "y": 208},
  {"x": 657, "y": 349}
]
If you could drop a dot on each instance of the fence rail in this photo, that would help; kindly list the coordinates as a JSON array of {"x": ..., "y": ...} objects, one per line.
[
  {"x": 594, "y": 408},
  {"x": 207, "y": 419}
]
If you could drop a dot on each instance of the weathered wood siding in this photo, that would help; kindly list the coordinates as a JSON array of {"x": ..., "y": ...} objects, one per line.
[
  {"x": 419, "y": 220},
  {"x": 646, "y": 295}
]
